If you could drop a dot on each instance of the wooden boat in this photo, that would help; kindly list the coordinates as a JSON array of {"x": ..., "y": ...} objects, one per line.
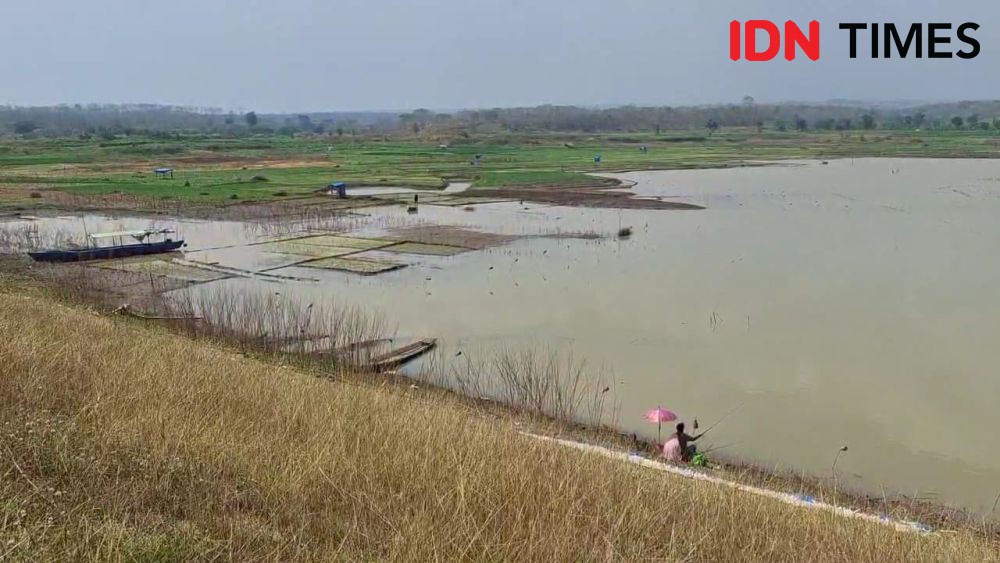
[
  {"x": 142, "y": 246},
  {"x": 400, "y": 356},
  {"x": 127, "y": 311}
]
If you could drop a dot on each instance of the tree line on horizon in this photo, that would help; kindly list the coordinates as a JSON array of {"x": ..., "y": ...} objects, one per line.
[{"x": 110, "y": 120}]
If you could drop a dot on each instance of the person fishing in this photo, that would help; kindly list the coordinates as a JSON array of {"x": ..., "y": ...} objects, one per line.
[{"x": 679, "y": 447}]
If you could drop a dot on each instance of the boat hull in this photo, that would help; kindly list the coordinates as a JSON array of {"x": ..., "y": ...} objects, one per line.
[
  {"x": 396, "y": 358},
  {"x": 123, "y": 251}
]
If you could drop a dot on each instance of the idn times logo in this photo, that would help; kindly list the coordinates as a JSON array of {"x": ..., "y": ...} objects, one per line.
[{"x": 761, "y": 40}]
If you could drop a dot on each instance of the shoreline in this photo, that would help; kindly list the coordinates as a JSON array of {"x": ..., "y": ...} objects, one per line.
[
  {"x": 609, "y": 196},
  {"x": 800, "y": 500}
]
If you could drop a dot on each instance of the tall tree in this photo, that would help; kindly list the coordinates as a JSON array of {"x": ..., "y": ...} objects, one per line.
[{"x": 24, "y": 127}]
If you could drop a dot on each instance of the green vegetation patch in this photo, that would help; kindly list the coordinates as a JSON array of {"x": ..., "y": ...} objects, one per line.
[
  {"x": 239, "y": 258},
  {"x": 429, "y": 249},
  {"x": 216, "y": 170},
  {"x": 304, "y": 249},
  {"x": 345, "y": 242},
  {"x": 509, "y": 178},
  {"x": 357, "y": 266}
]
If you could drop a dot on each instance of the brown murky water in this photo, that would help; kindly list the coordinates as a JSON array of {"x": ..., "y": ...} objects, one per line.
[{"x": 855, "y": 303}]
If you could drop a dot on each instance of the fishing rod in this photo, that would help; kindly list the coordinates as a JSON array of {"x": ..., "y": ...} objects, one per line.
[
  {"x": 717, "y": 448},
  {"x": 724, "y": 417}
]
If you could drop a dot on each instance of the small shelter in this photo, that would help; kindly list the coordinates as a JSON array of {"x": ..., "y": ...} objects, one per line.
[
  {"x": 339, "y": 187},
  {"x": 164, "y": 172}
]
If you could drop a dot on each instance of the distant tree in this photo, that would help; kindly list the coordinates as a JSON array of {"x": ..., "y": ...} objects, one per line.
[
  {"x": 996, "y": 122},
  {"x": 825, "y": 124},
  {"x": 750, "y": 114},
  {"x": 340, "y": 131},
  {"x": 868, "y": 121},
  {"x": 800, "y": 124},
  {"x": 972, "y": 121},
  {"x": 417, "y": 119},
  {"x": 305, "y": 122},
  {"x": 147, "y": 119},
  {"x": 760, "y": 126},
  {"x": 712, "y": 126},
  {"x": 957, "y": 122},
  {"x": 780, "y": 125},
  {"x": 251, "y": 118},
  {"x": 657, "y": 129},
  {"x": 24, "y": 127}
]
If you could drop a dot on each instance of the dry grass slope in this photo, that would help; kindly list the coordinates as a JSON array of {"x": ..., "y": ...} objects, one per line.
[{"x": 122, "y": 443}]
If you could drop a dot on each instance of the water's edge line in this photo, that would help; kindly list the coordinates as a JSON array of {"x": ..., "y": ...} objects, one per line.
[{"x": 801, "y": 501}]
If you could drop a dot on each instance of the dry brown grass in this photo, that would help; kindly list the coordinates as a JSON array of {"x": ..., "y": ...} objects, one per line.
[{"x": 123, "y": 443}]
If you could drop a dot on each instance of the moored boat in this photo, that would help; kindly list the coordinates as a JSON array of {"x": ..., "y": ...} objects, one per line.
[
  {"x": 120, "y": 250},
  {"x": 400, "y": 356}
]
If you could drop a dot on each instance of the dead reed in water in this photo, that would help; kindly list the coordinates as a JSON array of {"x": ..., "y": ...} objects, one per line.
[
  {"x": 17, "y": 238},
  {"x": 262, "y": 321},
  {"x": 544, "y": 382}
]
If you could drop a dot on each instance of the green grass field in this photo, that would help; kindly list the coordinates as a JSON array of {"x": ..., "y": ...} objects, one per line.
[{"x": 212, "y": 169}]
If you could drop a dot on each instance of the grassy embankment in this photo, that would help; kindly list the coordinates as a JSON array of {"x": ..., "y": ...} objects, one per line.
[
  {"x": 129, "y": 443},
  {"x": 211, "y": 170}
]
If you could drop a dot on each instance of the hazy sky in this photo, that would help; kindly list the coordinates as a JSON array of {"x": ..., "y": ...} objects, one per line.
[{"x": 314, "y": 55}]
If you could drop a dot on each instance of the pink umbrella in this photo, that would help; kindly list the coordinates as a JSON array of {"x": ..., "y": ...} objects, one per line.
[{"x": 659, "y": 416}]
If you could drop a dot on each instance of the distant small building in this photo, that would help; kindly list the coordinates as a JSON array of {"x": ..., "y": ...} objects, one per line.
[
  {"x": 597, "y": 159},
  {"x": 164, "y": 172}
]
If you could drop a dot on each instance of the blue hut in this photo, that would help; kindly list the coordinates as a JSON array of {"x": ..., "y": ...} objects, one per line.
[{"x": 339, "y": 187}]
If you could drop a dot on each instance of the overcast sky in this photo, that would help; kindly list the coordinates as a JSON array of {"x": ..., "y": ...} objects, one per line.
[{"x": 316, "y": 55}]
